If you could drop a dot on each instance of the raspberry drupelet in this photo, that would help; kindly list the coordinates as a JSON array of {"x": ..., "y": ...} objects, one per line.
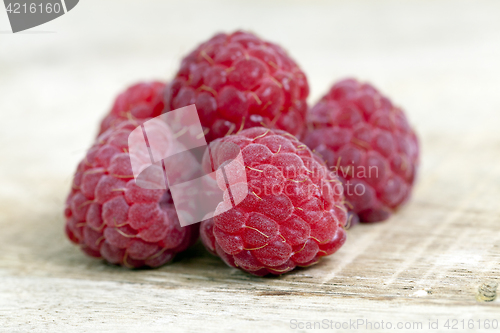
[
  {"x": 139, "y": 101},
  {"x": 292, "y": 214},
  {"x": 110, "y": 217},
  {"x": 239, "y": 81},
  {"x": 368, "y": 142}
]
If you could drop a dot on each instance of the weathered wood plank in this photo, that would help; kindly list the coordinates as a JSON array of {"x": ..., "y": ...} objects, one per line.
[{"x": 425, "y": 263}]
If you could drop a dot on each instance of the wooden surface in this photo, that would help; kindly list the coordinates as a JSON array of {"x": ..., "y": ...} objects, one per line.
[{"x": 438, "y": 59}]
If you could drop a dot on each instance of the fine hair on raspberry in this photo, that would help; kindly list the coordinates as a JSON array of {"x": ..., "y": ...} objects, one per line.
[{"x": 140, "y": 101}]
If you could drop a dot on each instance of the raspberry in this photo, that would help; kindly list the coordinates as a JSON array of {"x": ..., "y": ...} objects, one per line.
[
  {"x": 140, "y": 101},
  {"x": 111, "y": 217},
  {"x": 292, "y": 213},
  {"x": 239, "y": 81},
  {"x": 369, "y": 144}
]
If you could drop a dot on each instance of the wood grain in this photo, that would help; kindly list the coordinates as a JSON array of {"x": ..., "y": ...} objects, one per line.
[{"x": 425, "y": 263}]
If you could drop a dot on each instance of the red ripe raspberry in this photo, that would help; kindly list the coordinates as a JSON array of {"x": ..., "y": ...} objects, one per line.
[
  {"x": 369, "y": 144},
  {"x": 140, "y": 101},
  {"x": 240, "y": 81},
  {"x": 292, "y": 214},
  {"x": 111, "y": 217}
]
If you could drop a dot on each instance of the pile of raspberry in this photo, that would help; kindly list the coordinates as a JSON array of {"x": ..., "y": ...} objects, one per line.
[{"x": 294, "y": 200}]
